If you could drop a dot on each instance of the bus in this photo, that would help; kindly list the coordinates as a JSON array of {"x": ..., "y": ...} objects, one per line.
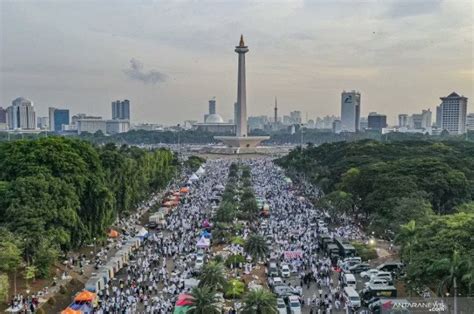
[
  {"x": 346, "y": 249},
  {"x": 378, "y": 291}
]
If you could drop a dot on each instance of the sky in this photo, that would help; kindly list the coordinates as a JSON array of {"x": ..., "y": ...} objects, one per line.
[{"x": 170, "y": 57}]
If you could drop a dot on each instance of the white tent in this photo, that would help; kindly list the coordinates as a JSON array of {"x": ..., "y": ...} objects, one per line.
[
  {"x": 203, "y": 242},
  {"x": 200, "y": 170},
  {"x": 194, "y": 177},
  {"x": 143, "y": 233}
]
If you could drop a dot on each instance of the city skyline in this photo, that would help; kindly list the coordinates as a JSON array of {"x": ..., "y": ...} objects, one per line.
[{"x": 401, "y": 56}]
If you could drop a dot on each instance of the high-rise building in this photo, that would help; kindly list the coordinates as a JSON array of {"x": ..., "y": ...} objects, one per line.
[
  {"x": 42, "y": 123},
  {"x": 295, "y": 117},
  {"x": 350, "y": 111},
  {"x": 470, "y": 122},
  {"x": 438, "y": 116},
  {"x": 257, "y": 122},
  {"x": 121, "y": 110},
  {"x": 364, "y": 123},
  {"x": 21, "y": 115},
  {"x": 426, "y": 119},
  {"x": 377, "y": 121},
  {"x": 415, "y": 121},
  {"x": 453, "y": 113},
  {"x": 3, "y": 115},
  {"x": 336, "y": 126},
  {"x": 402, "y": 120},
  {"x": 58, "y": 118}
]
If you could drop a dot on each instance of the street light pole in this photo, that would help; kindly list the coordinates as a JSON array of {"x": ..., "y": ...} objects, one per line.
[{"x": 455, "y": 286}]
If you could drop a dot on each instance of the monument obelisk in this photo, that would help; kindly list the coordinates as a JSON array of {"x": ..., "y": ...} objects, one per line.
[
  {"x": 241, "y": 118},
  {"x": 241, "y": 139}
]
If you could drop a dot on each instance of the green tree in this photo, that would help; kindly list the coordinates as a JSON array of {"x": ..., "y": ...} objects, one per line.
[
  {"x": 235, "y": 288},
  {"x": 337, "y": 203},
  {"x": 225, "y": 212},
  {"x": 30, "y": 273},
  {"x": 259, "y": 301},
  {"x": 213, "y": 275},
  {"x": 256, "y": 247},
  {"x": 4, "y": 286},
  {"x": 10, "y": 256},
  {"x": 203, "y": 301}
]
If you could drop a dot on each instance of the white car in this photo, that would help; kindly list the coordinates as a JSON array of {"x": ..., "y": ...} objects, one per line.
[
  {"x": 277, "y": 281},
  {"x": 367, "y": 274},
  {"x": 285, "y": 271},
  {"x": 382, "y": 275},
  {"x": 199, "y": 262},
  {"x": 281, "y": 306},
  {"x": 294, "y": 304},
  {"x": 377, "y": 282}
]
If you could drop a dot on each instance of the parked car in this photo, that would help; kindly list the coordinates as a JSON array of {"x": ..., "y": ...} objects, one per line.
[
  {"x": 352, "y": 297},
  {"x": 349, "y": 280},
  {"x": 281, "y": 306},
  {"x": 368, "y": 273},
  {"x": 199, "y": 262},
  {"x": 294, "y": 305},
  {"x": 285, "y": 271},
  {"x": 275, "y": 281},
  {"x": 273, "y": 269},
  {"x": 376, "y": 281},
  {"x": 359, "y": 268},
  {"x": 382, "y": 275},
  {"x": 390, "y": 266}
]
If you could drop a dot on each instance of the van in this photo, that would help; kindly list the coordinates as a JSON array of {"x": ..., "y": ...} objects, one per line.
[
  {"x": 273, "y": 270},
  {"x": 349, "y": 280},
  {"x": 294, "y": 304},
  {"x": 352, "y": 297}
]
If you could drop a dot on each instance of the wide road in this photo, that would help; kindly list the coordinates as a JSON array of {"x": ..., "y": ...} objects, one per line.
[{"x": 161, "y": 266}]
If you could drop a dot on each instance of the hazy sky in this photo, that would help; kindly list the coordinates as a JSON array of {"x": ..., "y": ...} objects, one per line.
[{"x": 170, "y": 57}]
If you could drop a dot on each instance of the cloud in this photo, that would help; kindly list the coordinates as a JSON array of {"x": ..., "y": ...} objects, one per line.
[
  {"x": 137, "y": 73},
  {"x": 400, "y": 9}
]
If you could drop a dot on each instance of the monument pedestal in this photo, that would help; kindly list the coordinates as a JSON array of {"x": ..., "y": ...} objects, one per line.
[{"x": 242, "y": 141}]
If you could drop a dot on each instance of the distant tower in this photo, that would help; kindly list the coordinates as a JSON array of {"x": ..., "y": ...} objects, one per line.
[
  {"x": 276, "y": 111},
  {"x": 241, "y": 121}
]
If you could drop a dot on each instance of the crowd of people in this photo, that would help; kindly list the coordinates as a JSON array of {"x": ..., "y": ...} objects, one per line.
[
  {"x": 164, "y": 263},
  {"x": 292, "y": 228}
]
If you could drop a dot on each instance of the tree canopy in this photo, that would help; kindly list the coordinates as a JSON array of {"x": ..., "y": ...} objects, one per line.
[{"x": 57, "y": 193}]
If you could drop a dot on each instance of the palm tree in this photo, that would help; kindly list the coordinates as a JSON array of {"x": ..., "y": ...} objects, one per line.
[
  {"x": 452, "y": 269},
  {"x": 259, "y": 301},
  {"x": 203, "y": 301},
  {"x": 213, "y": 276},
  {"x": 256, "y": 247}
]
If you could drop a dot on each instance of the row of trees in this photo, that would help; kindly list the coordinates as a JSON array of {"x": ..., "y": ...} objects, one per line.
[
  {"x": 58, "y": 193},
  {"x": 420, "y": 192}
]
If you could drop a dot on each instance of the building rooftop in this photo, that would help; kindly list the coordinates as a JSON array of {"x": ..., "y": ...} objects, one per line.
[{"x": 214, "y": 118}]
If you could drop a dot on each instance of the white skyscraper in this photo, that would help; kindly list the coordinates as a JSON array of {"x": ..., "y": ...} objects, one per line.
[
  {"x": 453, "y": 113},
  {"x": 350, "y": 111},
  {"x": 21, "y": 115},
  {"x": 470, "y": 122}
]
